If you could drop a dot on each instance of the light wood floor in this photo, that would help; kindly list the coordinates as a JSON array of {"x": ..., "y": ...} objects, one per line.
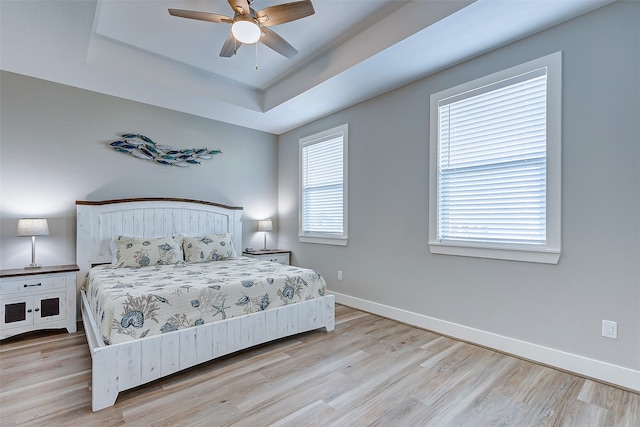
[{"x": 370, "y": 371}]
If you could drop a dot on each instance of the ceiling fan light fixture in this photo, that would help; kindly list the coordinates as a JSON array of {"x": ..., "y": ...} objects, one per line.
[{"x": 245, "y": 30}]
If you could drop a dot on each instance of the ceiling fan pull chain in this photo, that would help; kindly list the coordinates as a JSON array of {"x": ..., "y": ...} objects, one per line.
[{"x": 256, "y": 56}]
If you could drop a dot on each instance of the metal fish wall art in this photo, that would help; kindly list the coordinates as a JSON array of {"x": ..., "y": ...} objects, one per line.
[{"x": 163, "y": 154}]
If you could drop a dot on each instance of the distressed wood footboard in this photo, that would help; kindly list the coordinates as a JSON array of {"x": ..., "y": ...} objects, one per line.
[{"x": 122, "y": 366}]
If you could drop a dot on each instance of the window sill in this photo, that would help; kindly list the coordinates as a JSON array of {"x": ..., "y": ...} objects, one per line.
[
  {"x": 336, "y": 241},
  {"x": 547, "y": 256}
]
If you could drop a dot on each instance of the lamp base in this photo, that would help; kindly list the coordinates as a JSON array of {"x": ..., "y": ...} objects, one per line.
[{"x": 33, "y": 255}]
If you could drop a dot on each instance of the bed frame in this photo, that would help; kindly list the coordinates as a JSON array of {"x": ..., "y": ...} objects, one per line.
[{"x": 122, "y": 366}]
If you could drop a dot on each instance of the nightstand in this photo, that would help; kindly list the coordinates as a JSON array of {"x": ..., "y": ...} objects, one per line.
[
  {"x": 273, "y": 255},
  {"x": 38, "y": 298}
]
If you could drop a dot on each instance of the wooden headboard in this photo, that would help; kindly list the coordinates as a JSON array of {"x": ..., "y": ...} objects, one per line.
[{"x": 98, "y": 222}]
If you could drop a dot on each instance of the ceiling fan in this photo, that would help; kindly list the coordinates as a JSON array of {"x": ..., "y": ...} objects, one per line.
[{"x": 249, "y": 26}]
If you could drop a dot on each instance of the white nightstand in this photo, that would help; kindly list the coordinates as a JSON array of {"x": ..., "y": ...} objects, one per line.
[
  {"x": 273, "y": 255},
  {"x": 42, "y": 298}
]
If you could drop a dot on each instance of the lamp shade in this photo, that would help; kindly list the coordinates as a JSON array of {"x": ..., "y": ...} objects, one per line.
[
  {"x": 265, "y": 225},
  {"x": 28, "y": 227},
  {"x": 245, "y": 30}
]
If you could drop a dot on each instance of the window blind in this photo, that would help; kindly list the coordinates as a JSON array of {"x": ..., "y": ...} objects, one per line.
[
  {"x": 323, "y": 187},
  {"x": 492, "y": 163}
]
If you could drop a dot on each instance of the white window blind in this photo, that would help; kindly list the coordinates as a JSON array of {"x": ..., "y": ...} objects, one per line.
[
  {"x": 495, "y": 165},
  {"x": 322, "y": 169},
  {"x": 492, "y": 163}
]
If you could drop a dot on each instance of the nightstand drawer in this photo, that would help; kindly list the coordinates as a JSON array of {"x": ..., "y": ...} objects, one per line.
[
  {"x": 272, "y": 255},
  {"x": 31, "y": 284},
  {"x": 280, "y": 258}
]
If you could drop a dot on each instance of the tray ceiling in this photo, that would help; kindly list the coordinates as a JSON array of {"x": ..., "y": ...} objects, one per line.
[{"x": 349, "y": 51}]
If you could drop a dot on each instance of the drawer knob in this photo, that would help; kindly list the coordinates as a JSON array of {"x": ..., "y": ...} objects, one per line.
[
  {"x": 35, "y": 284},
  {"x": 29, "y": 311}
]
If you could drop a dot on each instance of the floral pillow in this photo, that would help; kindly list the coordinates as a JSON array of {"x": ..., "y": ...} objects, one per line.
[
  {"x": 217, "y": 247},
  {"x": 140, "y": 252}
]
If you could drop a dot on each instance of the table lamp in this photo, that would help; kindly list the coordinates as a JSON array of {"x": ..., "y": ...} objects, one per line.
[
  {"x": 265, "y": 225},
  {"x": 32, "y": 227}
]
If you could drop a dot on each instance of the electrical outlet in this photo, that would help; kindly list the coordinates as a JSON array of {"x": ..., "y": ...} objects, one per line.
[
  {"x": 610, "y": 329},
  {"x": 339, "y": 275}
]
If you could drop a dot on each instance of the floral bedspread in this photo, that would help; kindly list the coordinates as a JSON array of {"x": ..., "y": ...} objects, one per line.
[{"x": 131, "y": 303}]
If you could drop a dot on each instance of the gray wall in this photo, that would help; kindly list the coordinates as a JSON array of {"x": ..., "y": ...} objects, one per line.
[
  {"x": 557, "y": 306},
  {"x": 54, "y": 150}
]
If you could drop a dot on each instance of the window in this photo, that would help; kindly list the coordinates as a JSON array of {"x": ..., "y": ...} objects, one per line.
[
  {"x": 495, "y": 165},
  {"x": 323, "y": 187}
]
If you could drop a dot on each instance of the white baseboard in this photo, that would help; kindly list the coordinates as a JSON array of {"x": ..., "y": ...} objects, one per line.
[{"x": 598, "y": 370}]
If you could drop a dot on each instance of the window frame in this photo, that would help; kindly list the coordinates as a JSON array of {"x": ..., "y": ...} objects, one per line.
[
  {"x": 325, "y": 238},
  {"x": 550, "y": 253}
]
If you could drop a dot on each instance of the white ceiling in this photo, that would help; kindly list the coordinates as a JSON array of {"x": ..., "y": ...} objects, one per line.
[{"x": 349, "y": 51}]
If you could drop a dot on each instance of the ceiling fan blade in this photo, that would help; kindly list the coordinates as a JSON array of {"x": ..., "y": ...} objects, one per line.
[
  {"x": 287, "y": 12},
  {"x": 201, "y": 16},
  {"x": 277, "y": 43},
  {"x": 240, "y": 6},
  {"x": 230, "y": 46}
]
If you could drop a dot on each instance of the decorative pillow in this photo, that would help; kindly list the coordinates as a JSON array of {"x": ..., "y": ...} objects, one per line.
[
  {"x": 139, "y": 252},
  {"x": 217, "y": 247},
  {"x": 113, "y": 246}
]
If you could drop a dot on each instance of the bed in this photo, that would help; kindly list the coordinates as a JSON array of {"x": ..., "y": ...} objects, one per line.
[{"x": 136, "y": 355}]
